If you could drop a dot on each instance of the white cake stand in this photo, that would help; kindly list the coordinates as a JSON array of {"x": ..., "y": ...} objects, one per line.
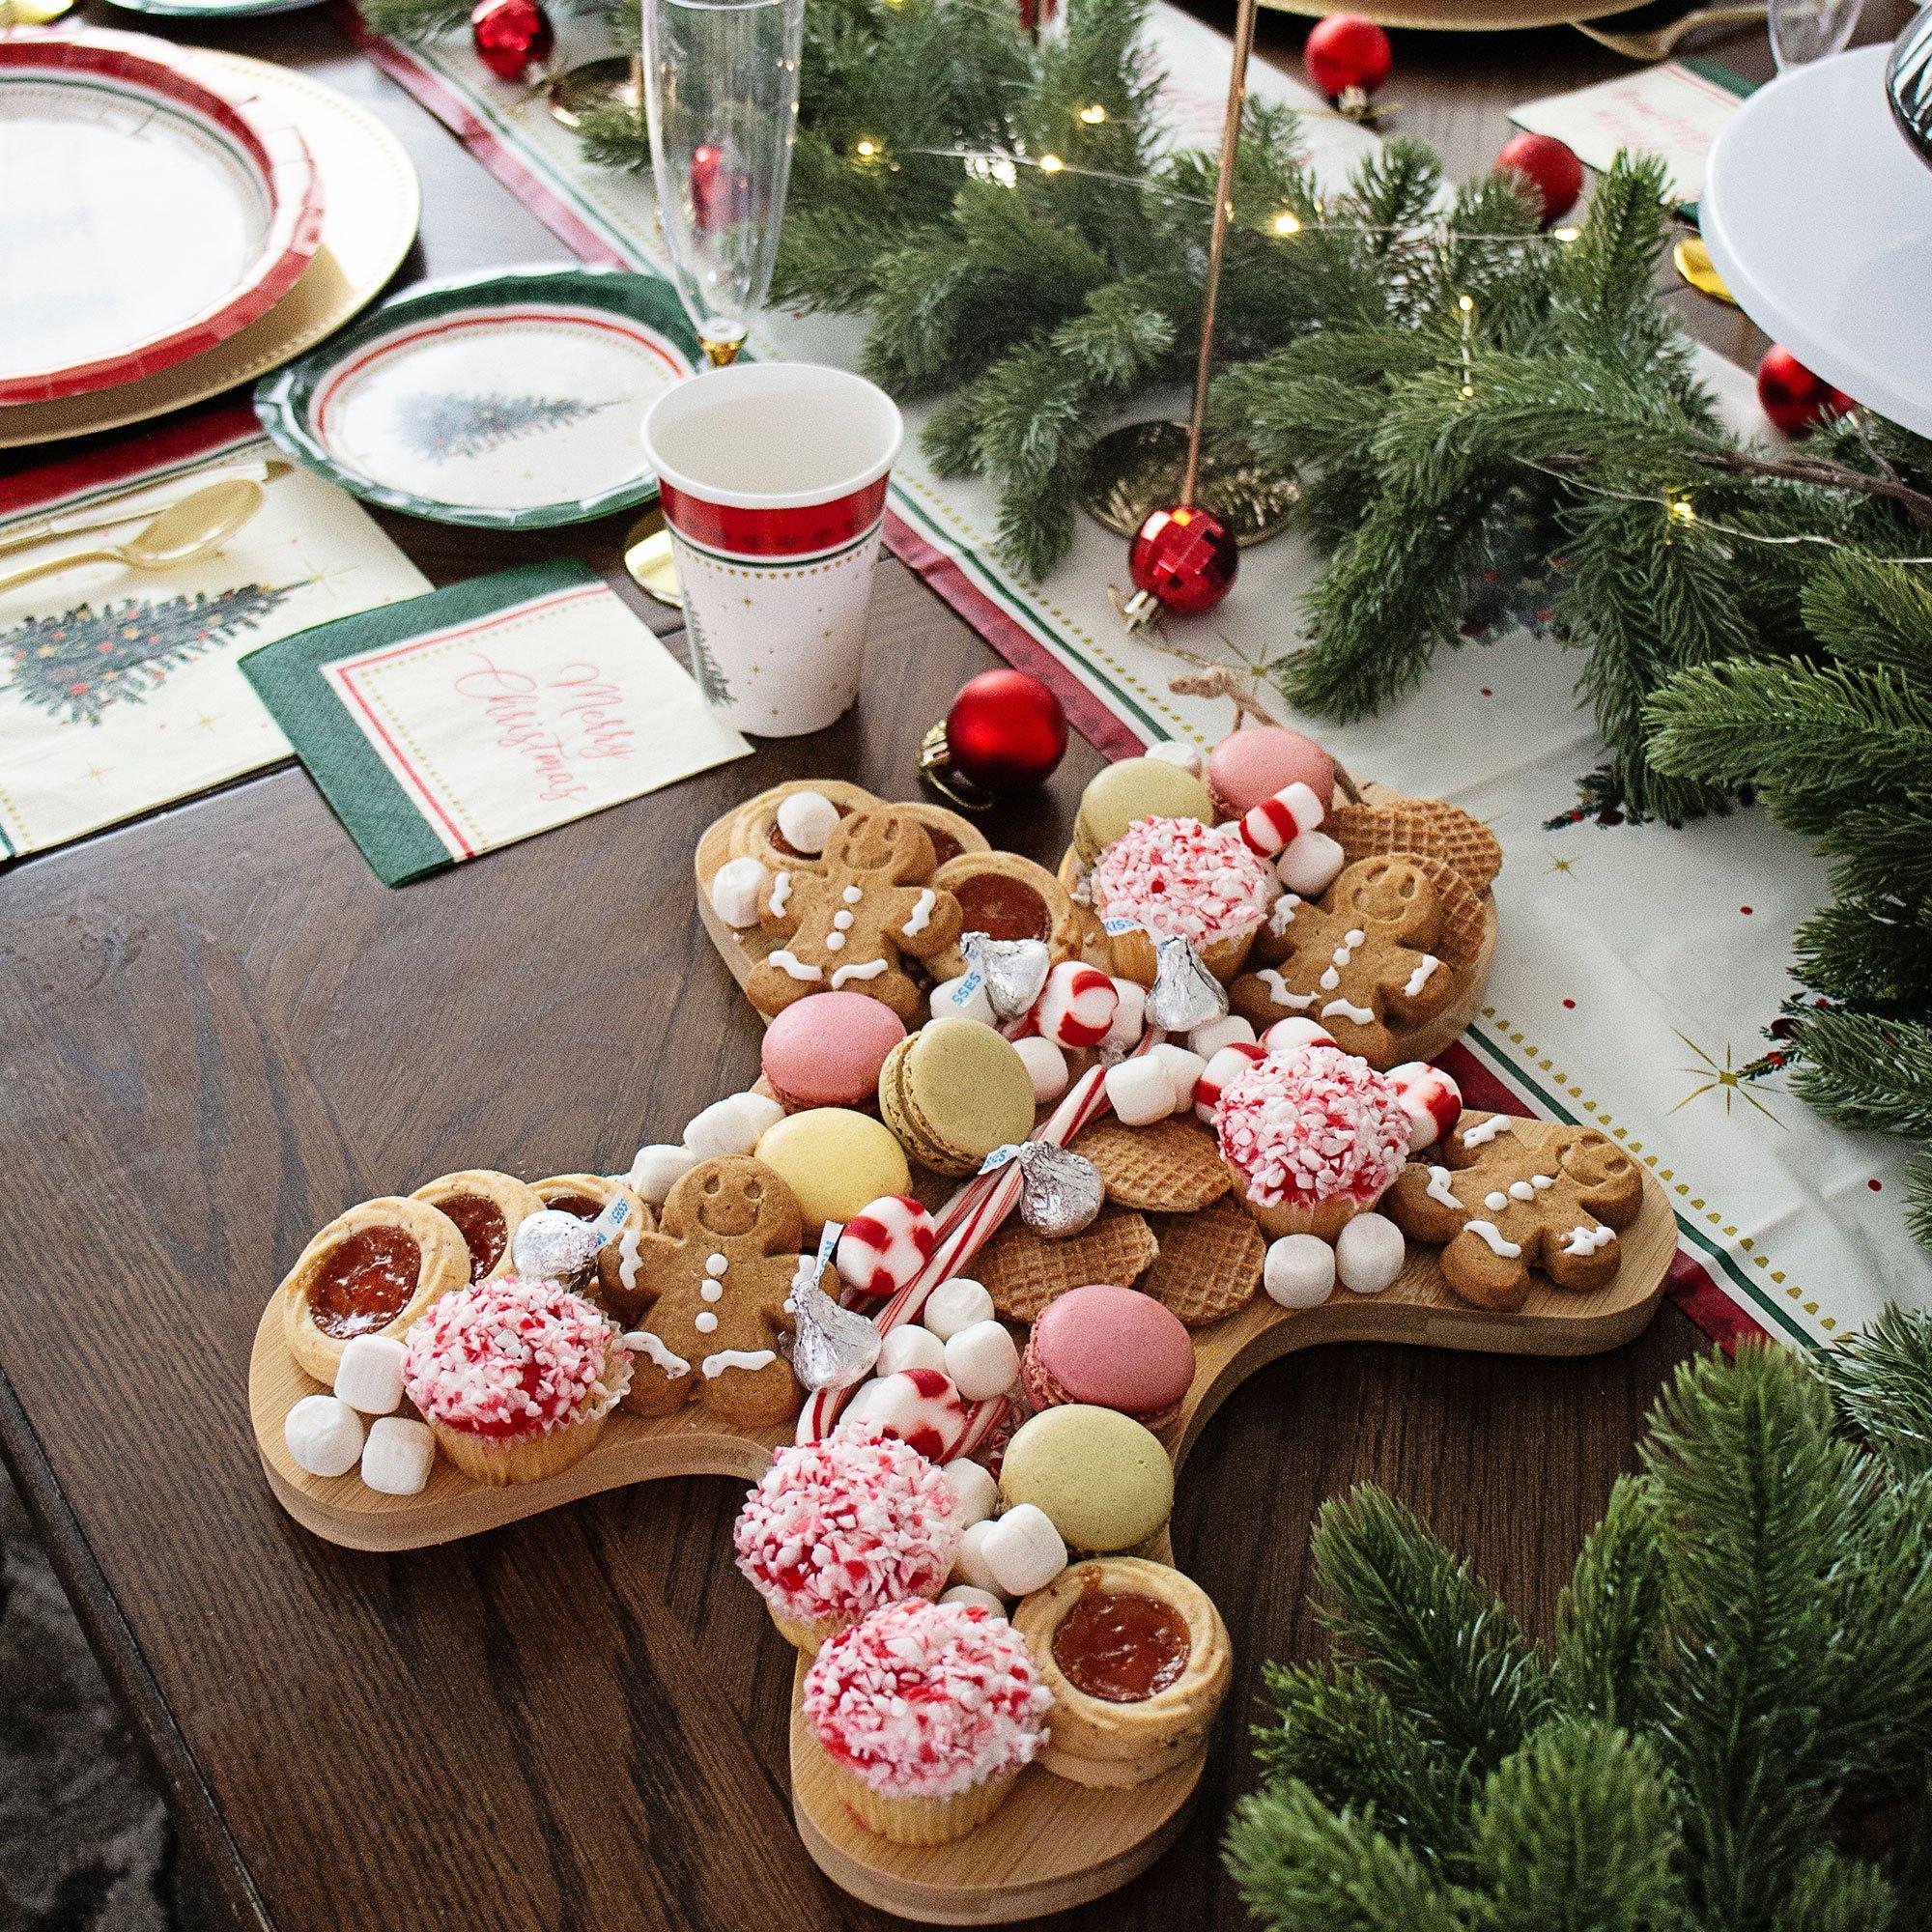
[{"x": 1819, "y": 217}]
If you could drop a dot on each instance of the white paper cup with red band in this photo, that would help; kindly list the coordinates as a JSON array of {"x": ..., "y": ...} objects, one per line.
[{"x": 773, "y": 479}]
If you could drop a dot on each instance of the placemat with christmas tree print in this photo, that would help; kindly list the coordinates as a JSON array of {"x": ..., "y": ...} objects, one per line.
[
  {"x": 119, "y": 692},
  {"x": 469, "y": 719}
]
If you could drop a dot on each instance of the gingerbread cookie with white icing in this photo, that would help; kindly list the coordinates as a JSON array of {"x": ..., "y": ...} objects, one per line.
[
  {"x": 710, "y": 1286},
  {"x": 1358, "y": 963},
  {"x": 846, "y": 925},
  {"x": 1509, "y": 1196}
]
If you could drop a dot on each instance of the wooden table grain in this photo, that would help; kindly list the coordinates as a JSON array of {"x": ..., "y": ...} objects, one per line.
[{"x": 220, "y": 1029}]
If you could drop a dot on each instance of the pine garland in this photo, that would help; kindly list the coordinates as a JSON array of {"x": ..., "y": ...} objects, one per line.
[{"x": 1742, "y": 1667}]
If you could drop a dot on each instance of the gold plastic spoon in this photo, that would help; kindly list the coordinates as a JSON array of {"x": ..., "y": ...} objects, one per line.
[{"x": 182, "y": 533}]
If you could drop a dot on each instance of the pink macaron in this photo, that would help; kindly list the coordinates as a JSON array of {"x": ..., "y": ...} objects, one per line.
[
  {"x": 1252, "y": 764},
  {"x": 826, "y": 1050},
  {"x": 1112, "y": 1347}
]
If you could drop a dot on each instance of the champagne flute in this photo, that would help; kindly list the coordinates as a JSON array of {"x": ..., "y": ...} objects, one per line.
[
  {"x": 720, "y": 90},
  {"x": 1802, "y": 31}
]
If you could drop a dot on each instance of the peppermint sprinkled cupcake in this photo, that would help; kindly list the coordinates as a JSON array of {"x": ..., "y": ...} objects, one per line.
[
  {"x": 1313, "y": 1137},
  {"x": 515, "y": 1377},
  {"x": 838, "y": 1528},
  {"x": 1178, "y": 878},
  {"x": 927, "y": 1712}
]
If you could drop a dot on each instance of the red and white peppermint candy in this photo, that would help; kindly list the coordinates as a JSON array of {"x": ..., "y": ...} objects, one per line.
[
  {"x": 1233, "y": 1059},
  {"x": 1432, "y": 1100},
  {"x": 885, "y": 1245},
  {"x": 1285, "y": 1035},
  {"x": 1267, "y": 827},
  {"x": 1077, "y": 1005},
  {"x": 921, "y": 1407}
]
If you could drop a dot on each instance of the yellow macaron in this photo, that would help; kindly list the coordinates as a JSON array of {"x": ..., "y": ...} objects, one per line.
[
  {"x": 954, "y": 1091},
  {"x": 1104, "y": 1480},
  {"x": 835, "y": 1161}
]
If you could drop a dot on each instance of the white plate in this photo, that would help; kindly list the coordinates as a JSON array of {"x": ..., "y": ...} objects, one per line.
[{"x": 1819, "y": 217}]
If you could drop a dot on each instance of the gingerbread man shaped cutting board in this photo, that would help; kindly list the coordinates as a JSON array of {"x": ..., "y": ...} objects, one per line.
[{"x": 847, "y": 925}]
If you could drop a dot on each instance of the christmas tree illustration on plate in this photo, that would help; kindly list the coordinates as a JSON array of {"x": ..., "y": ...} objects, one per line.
[
  {"x": 74, "y": 666},
  {"x": 436, "y": 424}
]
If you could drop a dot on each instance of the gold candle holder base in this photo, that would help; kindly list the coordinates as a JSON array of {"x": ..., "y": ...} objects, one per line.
[{"x": 935, "y": 770}]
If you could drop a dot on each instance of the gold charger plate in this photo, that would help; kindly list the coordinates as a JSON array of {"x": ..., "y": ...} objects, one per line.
[
  {"x": 373, "y": 202},
  {"x": 1463, "y": 16}
]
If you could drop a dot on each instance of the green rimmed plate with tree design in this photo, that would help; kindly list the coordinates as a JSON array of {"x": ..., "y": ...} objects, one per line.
[{"x": 510, "y": 400}]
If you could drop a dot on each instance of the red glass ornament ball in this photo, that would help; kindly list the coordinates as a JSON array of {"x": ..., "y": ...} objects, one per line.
[
  {"x": 1344, "y": 50},
  {"x": 1006, "y": 731},
  {"x": 511, "y": 36},
  {"x": 1551, "y": 168},
  {"x": 1793, "y": 397},
  {"x": 1186, "y": 558}
]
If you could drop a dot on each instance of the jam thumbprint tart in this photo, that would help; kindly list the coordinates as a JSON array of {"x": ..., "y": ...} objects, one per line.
[
  {"x": 1007, "y": 897},
  {"x": 371, "y": 1271},
  {"x": 1138, "y": 1661},
  {"x": 620, "y": 1214},
  {"x": 487, "y": 1208}
]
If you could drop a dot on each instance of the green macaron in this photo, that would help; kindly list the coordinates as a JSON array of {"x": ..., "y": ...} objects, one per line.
[
  {"x": 953, "y": 1091},
  {"x": 1136, "y": 788},
  {"x": 1102, "y": 1478}
]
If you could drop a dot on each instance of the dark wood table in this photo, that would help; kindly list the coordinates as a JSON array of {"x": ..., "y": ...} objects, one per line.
[{"x": 219, "y": 1029}]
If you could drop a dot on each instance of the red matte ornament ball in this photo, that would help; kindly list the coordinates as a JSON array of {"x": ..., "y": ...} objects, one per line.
[
  {"x": 1007, "y": 730},
  {"x": 1346, "y": 51},
  {"x": 1184, "y": 558},
  {"x": 1795, "y": 399},
  {"x": 1551, "y": 168},
  {"x": 511, "y": 36}
]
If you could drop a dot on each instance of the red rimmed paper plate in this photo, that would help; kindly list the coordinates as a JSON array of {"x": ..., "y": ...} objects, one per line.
[{"x": 155, "y": 204}]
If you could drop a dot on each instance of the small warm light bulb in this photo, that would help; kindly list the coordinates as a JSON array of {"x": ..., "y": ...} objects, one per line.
[
  {"x": 1050, "y": 164},
  {"x": 1465, "y": 303},
  {"x": 866, "y": 150},
  {"x": 1468, "y": 393},
  {"x": 1681, "y": 509},
  {"x": 1564, "y": 234},
  {"x": 1093, "y": 114},
  {"x": 1288, "y": 222}
]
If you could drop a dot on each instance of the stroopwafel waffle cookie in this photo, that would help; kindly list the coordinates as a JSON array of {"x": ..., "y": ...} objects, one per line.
[
  {"x": 1023, "y": 1270},
  {"x": 1426, "y": 827},
  {"x": 1210, "y": 1264},
  {"x": 1458, "y": 937},
  {"x": 1169, "y": 1167}
]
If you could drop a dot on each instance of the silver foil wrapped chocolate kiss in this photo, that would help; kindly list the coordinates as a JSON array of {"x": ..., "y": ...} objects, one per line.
[
  {"x": 831, "y": 1347},
  {"x": 552, "y": 1246},
  {"x": 1014, "y": 970},
  {"x": 1185, "y": 994},
  {"x": 1060, "y": 1191}
]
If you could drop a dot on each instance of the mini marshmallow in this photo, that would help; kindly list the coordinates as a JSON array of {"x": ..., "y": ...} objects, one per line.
[
  {"x": 982, "y": 1360},
  {"x": 1310, "y": 863},
  {"x": 738, "y": 893},
  {"x": 1430, "y": 1097},
  {"x": 1023, "y": 1551},
  {"x": 1368, "y": 1252},
  {"x": 1129, "y": 1018},
  {"x": 658, "y": 1169},
  {"x": 1286, "y": 1035},
  {"x": 1141, "y": 1091},
  {"x": 324, "y": 1434},
  {"x": 1230, "y": 1029},
  {"x": 806, "y": 820},
  {"x": 1235, "y": 1058},
  {"x": 910, "y": 1347},
  {"x": 369, "y": 1377},
  {"x": 396, "y": 1459},
  {"x": 965, "y": 1593},
  {"x": 975, "y": 1495},
  {"x": 963, "y": 999},
  {"x": 1046, "y": 1069},
  {"x": 734, "y": 1124},
  {"x": 1183, "y": 1069},
  {"x": 969, "y": 1566},
  {"x": 1277, "y": 821},
  {"x": 1173, "y": 752},
  {"x": 1077, "y": 1004},
  {"x": 955, "y": 1305},
  {"x": 1299, "y": 1271}
]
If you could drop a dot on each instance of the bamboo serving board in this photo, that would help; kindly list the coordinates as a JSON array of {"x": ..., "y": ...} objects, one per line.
[{"x": 1053, "y": 1844}]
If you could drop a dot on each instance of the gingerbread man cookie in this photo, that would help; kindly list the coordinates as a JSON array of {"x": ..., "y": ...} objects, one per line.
[
  {"x": 1358, "y": 963},
  {"x": 846, "y": 925},
  {"x": 711, "y": 1286},
  {"x": 1509, "y": 1196}
]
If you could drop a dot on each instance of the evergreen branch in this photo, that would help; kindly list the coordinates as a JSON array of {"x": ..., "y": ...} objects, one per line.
[
  {"x": 1610, "y": 1622},
  {"x": 1834, "y": 1893},
  {"x": 1867, "y": 1074}
]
